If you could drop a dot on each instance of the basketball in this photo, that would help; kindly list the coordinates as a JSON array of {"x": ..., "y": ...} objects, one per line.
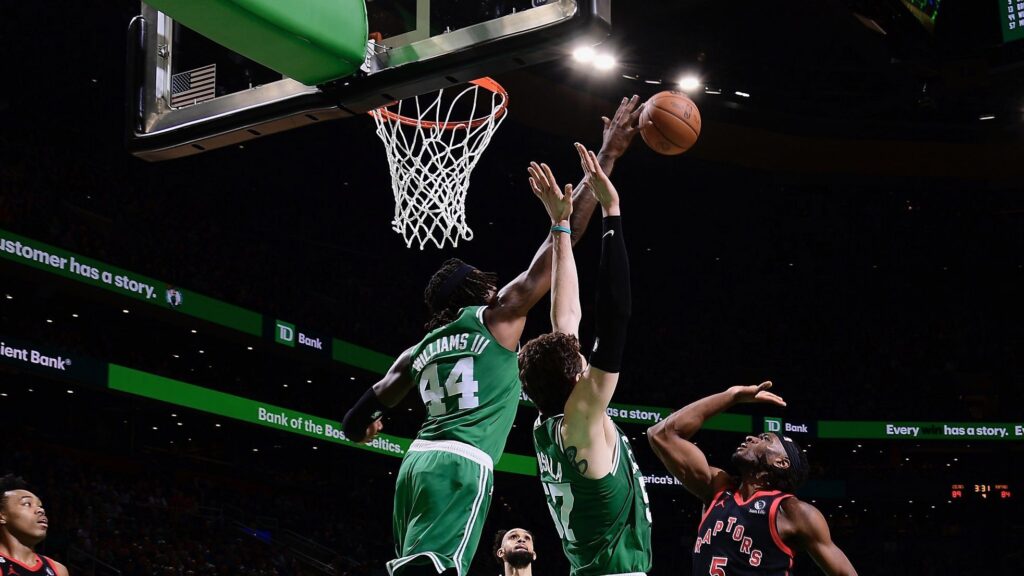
[{"x": 675, "y": 123}]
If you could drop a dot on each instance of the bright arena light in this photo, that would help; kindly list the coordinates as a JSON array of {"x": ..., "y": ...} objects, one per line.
[
  {"x": 689, "y": 83},
  {"x": 584, "y": 54},
  {"x": 604, "y": 62}
]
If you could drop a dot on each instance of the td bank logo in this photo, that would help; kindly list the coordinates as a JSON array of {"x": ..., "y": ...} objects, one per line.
[
  {"x": 284, "y": 333},
  {"x": 773, "y": 424}
]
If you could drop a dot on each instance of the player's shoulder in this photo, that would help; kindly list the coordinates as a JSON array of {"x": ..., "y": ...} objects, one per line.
[
  {"x": 61, "y": 569},
  {"x": 798, "y": 517}
]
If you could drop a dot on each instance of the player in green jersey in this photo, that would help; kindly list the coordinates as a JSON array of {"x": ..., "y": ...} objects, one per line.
[
  {"x": 466, "y": 372},
  {"x": 591, "y": 481}
]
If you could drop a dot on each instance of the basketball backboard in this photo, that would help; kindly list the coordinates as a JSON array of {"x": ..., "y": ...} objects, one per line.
[{"x": 188, "y": 94}]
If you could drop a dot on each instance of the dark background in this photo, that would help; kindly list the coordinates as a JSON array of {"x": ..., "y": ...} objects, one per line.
[{"x": 852, "y": 231}]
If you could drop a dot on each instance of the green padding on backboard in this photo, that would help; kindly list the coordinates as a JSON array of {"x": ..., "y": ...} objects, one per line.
[{"x": 312, "y": 41}]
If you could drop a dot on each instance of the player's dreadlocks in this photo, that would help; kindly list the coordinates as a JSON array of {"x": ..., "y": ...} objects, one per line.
[{"x": 447, "y": 293}]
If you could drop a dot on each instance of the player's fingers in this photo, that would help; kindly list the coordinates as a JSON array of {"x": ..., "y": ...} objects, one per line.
[
  {"x": 622, "y": 106},
  {"x": 549, "y": 175},
  {"x": 583, "y": 157},
  {"x": 534, "y": 187},
  {"x": 595, "y": 166},
  {"x": 764, "y": 385}
]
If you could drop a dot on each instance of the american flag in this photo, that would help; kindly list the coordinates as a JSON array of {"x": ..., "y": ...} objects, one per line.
[{"x": 194, "y": 86}]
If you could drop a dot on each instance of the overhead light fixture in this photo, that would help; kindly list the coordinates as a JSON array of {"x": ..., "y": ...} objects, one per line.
[
  {"x": 744, "y": 94},
  {"x": 604, "y": 62},
  {"x": 584, "y": 54},
  {"x": 689, "y": 83},
  {"x": 125, "y": 310},
  {"x": 652, "y": 81},
  {"x": 75, "y": 315},
  {"x": 987, "y": 117},
  {"x": 711, "y": 90}
]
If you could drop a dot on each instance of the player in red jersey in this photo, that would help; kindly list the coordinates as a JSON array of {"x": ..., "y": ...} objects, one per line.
[{"x": 752, "y": 524}]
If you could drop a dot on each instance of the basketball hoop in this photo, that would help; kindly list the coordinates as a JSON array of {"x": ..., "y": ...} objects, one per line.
[{"x": 431, "y": 157}]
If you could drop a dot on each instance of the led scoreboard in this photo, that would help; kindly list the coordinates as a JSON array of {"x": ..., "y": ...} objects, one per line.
[{"x": 980, "y": 492}]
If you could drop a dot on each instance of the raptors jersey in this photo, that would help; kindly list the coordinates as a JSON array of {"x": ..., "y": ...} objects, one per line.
[
  {"x": 738, "y": 537},
  {"x": 43, "y": 567}
]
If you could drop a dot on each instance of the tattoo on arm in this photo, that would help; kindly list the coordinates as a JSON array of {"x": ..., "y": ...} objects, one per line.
[{"x": 581, "y": 466}]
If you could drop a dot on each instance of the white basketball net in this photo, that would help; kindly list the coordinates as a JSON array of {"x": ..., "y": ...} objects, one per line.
[{"x": 431, "y": 157}]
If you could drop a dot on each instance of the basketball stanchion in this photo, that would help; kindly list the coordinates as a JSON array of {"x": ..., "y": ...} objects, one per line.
[{"x": 432, "y": 156}]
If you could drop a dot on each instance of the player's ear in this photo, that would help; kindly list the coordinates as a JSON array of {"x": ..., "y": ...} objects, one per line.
[{"x": 782, "y": 462}]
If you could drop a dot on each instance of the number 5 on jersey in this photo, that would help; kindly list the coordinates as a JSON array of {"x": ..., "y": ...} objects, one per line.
[{"x": 459, "y": 383}]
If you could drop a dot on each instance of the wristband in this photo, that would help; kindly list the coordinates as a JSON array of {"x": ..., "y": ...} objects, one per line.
[{"x": 557, "y": 228}]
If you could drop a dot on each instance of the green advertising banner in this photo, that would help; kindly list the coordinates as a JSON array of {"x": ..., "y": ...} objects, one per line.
[
  {"x": 154, "y": 387},
  {"x": 892, "y": 430},
  {"x": 66, "y": 264}
]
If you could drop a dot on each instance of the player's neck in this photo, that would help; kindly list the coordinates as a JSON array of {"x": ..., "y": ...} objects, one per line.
[
  {"x": 14, "y": 549},
  {"x": 749, "y": 486},
  {"x": 524, "y": 571}
]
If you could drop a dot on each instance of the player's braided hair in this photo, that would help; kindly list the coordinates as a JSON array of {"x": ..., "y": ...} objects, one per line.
[
  {"x": 10, "y": 482},
  {"x": 548, "y": 366},
  {"x": 471, "y": 291}
]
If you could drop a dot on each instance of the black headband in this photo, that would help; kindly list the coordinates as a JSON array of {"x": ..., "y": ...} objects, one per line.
[
  {"x": 449, "y": 285},
  {"x": 792, "y": 452}
]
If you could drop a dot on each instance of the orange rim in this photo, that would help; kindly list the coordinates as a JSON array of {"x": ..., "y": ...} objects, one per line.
[{"x": 485, "y": 82}]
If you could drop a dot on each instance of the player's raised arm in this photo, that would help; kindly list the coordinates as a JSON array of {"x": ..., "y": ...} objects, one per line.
[
  {"x": 565, "y": 290},
  {"x": 507, "y": 318},
  {"x": 587, "y": 425},
  {"x": 362, "y": 422},
  {"x": 670, "y": 438}
]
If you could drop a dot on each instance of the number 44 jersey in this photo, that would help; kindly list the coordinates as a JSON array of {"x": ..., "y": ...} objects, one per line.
[
  {"x": 604, "y": 523},
  {"x": 469, "y": 384}
]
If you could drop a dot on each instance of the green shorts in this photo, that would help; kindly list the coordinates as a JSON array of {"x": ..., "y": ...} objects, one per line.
[{"x": 442, "y": 496}]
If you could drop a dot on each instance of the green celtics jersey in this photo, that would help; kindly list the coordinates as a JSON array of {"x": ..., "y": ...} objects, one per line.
[
  {"x": 469, "y": 384},
  {"x": 604, "y": 524}
]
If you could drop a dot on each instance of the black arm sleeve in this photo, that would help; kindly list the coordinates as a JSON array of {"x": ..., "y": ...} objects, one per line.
[
  {"x": 366, "y": 410},
  {"x": 614, "y": 301}
]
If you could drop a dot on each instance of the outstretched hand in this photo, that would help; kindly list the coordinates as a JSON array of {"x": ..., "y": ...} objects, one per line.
[
  {"x": 600, "y": 184},
  {"x": 622, "y": 127},
  {"x": 759, "y": 393},
  {"x": 557, "y": 202}
]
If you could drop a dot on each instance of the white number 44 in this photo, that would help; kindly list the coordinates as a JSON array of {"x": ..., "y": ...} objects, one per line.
[{"x": 460, "y": 383}]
